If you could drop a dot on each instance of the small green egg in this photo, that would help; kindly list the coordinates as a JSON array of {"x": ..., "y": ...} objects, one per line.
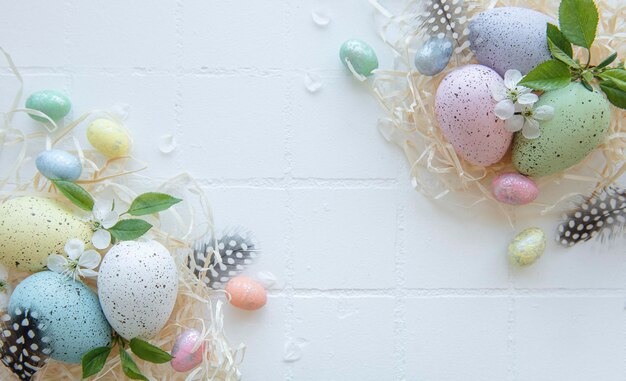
[
  {"x": 580, "y": 123},
  {"x": 51, "y": 102},
  {"x": 360, "y": 55},
  {"x": 527, "y": 246}
]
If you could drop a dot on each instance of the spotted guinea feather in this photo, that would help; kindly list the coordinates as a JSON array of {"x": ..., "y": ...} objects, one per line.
[
  {"x": 23, "y": 345},
  {"x": 449, "y": 18},
  {"x": 602, "y": 215},
  {"x": 236, "y": 249}
]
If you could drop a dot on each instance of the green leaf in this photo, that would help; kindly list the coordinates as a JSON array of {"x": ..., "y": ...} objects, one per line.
[
  {"x": 149, "y": 352},
  {"x": 559, "y": 39},
  {"x": 550, "y": 75},
  {"x": 127, "y": 230},
  {"x": 76, "y": 194},
  {"x": 94, "y": 360},
  {"x": 153, "y": 202},
  {"x": 129, "y": 367},
  {"x": 586, "y": 85},
  {"x": 579, "y": 20},
  {"x": 614, "y": 93},
  {"x": 607, "y": 61},
  {"x": 561, "y": 55},
  {"x": 618, "y": 76}
]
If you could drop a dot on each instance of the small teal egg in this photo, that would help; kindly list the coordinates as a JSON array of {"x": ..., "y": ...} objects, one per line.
[
  {"x": 51, "y": 102},
  {"x": 59, "y": 165},
  {"x": 432, "y": 57},
  {"x": 70, "y": 311},
  {"x": 360, "y": 55}
]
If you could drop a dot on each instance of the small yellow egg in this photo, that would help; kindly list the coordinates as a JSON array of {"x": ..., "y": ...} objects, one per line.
[
  {"x": 527, "y": 246},
  {"x": 109, "y": 138}
]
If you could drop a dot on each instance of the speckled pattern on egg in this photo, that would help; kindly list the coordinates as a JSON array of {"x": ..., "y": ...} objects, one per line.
[
  {"x": 464, "y": 108},
  {"x": 70, "y": 311},
  {"x": 510, "y": 38},
  {"x": 527, "y": 246},
  {"x": 581, "y": 121},
  {"x": 31, "y": 228},
  {"x": 137, "y": 286}
]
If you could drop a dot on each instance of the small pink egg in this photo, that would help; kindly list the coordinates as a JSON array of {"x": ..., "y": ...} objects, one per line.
[
  {"x": 514, "y": 189},
  {"x": 245, "y": 293},
  {"x": 184, "y": 359}
]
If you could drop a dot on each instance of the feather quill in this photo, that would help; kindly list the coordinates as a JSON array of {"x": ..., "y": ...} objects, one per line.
[
  {"x": 601, "y": 215},
  {"x": 23, "y": 345}
]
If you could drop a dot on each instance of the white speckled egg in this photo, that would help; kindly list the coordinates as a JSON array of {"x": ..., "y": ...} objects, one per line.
[
  {"x": 464, "y": 108},
  {"x": 69, "y": 310},
  {"x": 57, "y": 164},
  {"x": 31, "y": 228},
  {"x": 109, "y": 138},
  {"x": 137, "y": 286},
  {"x": 510, "y": 38}
]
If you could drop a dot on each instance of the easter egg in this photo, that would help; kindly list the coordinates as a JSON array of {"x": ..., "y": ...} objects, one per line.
[
  {"x": 514, "y": 189},
  {"x": 31, "y": 228},
  {"x": 246, "y": 293},
  {"x": 580, "y": 124},
  {"x": 109, "y": 138},
  {"x": 510, "y": 38},
  {"x": 69, "y": 310},
  {"x": 432, "y": 57},
  {"x": 527, "y": 246},
  {"x": 464, "y": 108},
  {"x": 137, "y": 286},
  {"x": 185, "y": 358},
  {"x": 360, "y": 55},
  {"x": 59, "y": 165},
  {"x": 51, "y": 102}
]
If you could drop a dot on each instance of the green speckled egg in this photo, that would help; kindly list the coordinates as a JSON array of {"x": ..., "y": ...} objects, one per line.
[
  {"x": 527, "y": 246},
  {"x": 31, "y": 228},
  {"x": 51, "y": 102},
  {"x": 581, "y": 121},
  {"x": 360, "y": 55},
  {"x": 69, "y": 310}
]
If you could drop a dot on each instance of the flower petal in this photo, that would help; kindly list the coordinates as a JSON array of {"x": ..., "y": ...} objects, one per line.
[
  {"x": 74, "y": 248},
  {"x": 514, "y": 124},
  {"x": 498, "y": 92},
  {"x": 4, "y": 274},
  {"x": 100, "y": 208},
  {"x": 90, "y": 259},
  {"x": 110, "y": 219},
  {"x": 543, "y": 112},
  {"x": 57, "y": 263},
  {"x": 504, "y": 109},
  {"x": 511, "y": 78},
  {"x": 531, "y": 129},
  {"x": 101, "y": 239},
  {"x": 88, "y": 273},
  {"x": 527, "y": 99}
]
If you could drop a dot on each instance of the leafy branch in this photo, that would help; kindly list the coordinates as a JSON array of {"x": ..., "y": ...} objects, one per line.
[
  {"x": 93, "y": 361},
  {"x": 579, "y": 22}
]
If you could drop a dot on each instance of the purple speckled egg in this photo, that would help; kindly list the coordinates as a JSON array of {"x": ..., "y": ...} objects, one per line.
[
  {"x": 185, "y": 359},
  {"x": 464, "y": 108},
  {"x": 514, "y": 189}
]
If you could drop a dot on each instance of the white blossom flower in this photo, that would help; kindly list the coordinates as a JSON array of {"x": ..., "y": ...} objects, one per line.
[
  {"x": 510, "y": 95},
  {"x": 5, "y": 288},
  {"x": 527, "y": 120},
  {"x": 78, "y": 263},
  {"x": 104, "y": 217}
]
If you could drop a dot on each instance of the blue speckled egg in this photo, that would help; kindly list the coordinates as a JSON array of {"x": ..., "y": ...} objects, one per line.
[
  {"x": 70, "y": 311},
  {"x": 59, "y": 165},
  {"x": 510, "y": 38},
  {"x": 432, "y": 57}
]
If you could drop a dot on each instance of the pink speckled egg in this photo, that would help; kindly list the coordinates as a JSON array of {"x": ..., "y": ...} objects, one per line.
[
  {"x": 245, "y": 293},
  {"x": 514, "y": 189},
  {"x": 464, "y": 107},
  {"x": 185, "y": 359}
]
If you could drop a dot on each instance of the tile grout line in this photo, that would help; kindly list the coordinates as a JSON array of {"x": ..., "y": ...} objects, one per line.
[
  {"x": 400, "y": 313},
  {"x": 178, "y": 61}
]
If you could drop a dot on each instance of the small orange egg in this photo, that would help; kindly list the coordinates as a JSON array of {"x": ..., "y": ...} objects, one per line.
[{"x": 246, "y": 293}]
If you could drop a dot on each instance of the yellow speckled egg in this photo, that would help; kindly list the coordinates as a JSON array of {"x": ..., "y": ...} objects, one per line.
[
  {"x": 109, "y": 138},
  {"x": 31, "y": 228},
  {"x": 527, "y": 246}
]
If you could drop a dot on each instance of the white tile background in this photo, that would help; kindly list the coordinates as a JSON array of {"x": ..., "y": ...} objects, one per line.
[{"x": 382, "y": 284}]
